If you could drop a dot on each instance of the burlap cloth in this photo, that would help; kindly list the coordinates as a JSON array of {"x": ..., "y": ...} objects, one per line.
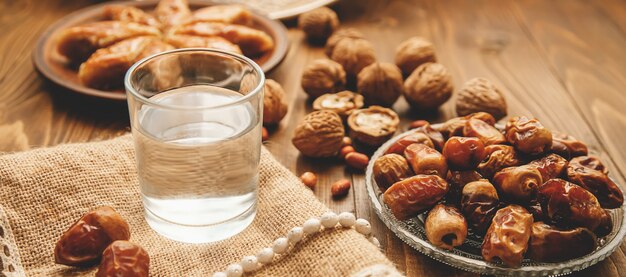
[{"x": 44, "y": 191}]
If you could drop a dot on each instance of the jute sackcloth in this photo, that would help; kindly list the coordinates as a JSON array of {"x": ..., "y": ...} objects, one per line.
[{"x": 44, "y": 191}]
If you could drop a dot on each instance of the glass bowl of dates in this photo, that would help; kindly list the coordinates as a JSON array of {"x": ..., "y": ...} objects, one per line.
[{"x": 513, "y": 198}]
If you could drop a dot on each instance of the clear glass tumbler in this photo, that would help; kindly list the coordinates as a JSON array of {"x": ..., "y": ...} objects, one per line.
[{"x": 196, "y": 123}]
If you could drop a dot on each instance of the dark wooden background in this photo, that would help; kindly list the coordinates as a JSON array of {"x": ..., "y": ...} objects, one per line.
[{"x": 561, "y": 61}]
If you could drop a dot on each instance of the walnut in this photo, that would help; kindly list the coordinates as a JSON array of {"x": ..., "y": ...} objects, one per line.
[
  {"x": 374, "y": 125},
  {"x": 343, "y": 103},
  {"x": 353, "y": 55},
  {"x": 318, "y": 24},
  {"x": 274, "y": 106},
  {"x": 380, "y": 84},
  {"x": 480, "y": 95},
  {"x": 323, "y": 76},
  {"x": 428, "y": 87},
  {"x": 340, "y": 34},
  {"x": 320, "y": 134},
  {"x": 413, "y": 52}
]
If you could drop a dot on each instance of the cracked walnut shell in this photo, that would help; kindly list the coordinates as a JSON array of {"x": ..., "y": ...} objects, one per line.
[
  {"x": 380, "y": 84},
  {"x": 353, "y": 55},
  {"x": 428, "y": 87},
  {"x": 318, "y": 24},
  {"x": 343, "y": 103},
  {"x": 320, "y": 134},
  {"x": 480, "y": 95},
  {"x": 323, "y": 76},
  {"x": 413, "y": 52},
  {"x": 345, "y": 33},
  {"x": 374, "y": 125},
  {"x": 274, "y": 106}
]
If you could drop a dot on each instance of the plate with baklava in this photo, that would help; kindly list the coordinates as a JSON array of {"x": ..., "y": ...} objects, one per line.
[{"x": 90, "y": 50}]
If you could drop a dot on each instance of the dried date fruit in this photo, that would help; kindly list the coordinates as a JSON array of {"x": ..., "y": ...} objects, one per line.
[
  {"x": 425, "y": 160},
  {"x": 85, "y": 240},
  {"x": 428, "y": 87},
  {"x": 603, "y": 188},
  {"x": 124, "y": 258},
  {"x": 323, "y": 76},
  {"x": 390, "y": 169},
  {"x": 413, "y": 195},
  {"x": 318, "y": 24},
  {"x": 486, "y": 133},
  {"x": 455, "y": 126},
  {"x": 343, "y": 103},
  {"x": 550, "y": 244},
  {"x": 507, "y": 237},
  {"x": 413, "y": 52},
  {"x": 353, "y": 55},
  {"x": 274, "y": 105},
  {"x": 479, "y": 203},
  {"x": 380, "y": 84},
  {"x": 374, "y": 125},
  {"x": 401, "y": 144},
  {"x": 435, "y": 136},
  {"x": 457, "y": 181},
  {"x": 528, "y": 135},
  {"x": 568, "y": 204},
  {"x": 551, "y": 166},
  {"x": 567, "y": 146},
  {"x": 320, "y": 134},
  {"x": 534, "y": 207},
  {"x": 589, "y": 162},
  {"x": 518, "y": 183},
  {"x": 463, "y": 153},
  {"x": 417, "y": 123},
  {"x": 480, "y": 95},
  {"x": 445, "y": 227},
  {"x": 497, "y": 158}
]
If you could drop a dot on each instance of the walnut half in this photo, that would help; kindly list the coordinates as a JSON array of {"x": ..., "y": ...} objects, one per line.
[{"x": 374, "y": 125}]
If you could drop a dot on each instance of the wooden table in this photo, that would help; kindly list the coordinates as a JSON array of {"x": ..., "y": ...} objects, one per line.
[{"x": 563, "y": 62}]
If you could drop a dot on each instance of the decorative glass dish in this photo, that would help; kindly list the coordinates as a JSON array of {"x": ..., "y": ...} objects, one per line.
[{"x": 468, "y": 256}]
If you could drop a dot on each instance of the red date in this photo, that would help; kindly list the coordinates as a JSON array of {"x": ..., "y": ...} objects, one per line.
[
  {"x": 590, "y": 162},
  {"x": 124, "y": 258},
  {"x": 567, "y": 204},
  {"x": 518, "y": 183},
  {"x": 455, "y": 126},
  {"x": 479, "y": 204},
  {"x": 567, "y": 146},
  {"x": 463, "y": 153},
  {"x": 435, "y": 136},
  {"x": 550, "y": 244},
  {"x": 445, "y": 227},
  {"x": 457, "y": 181},
  {"x": 497, "y": 158},
  {"x": 508, "y": 235},
  {"x": 425, "y": 160},
  {"x": 413, "y": 195},
  {"x": 603, "y": 188},
  {"x": 528, "y": 135},
  {"x": 486, "y": 133},
  {"x": 400, "y": 145},
  {"x": 390, "y": 169},
  {"x": 550, "y": 167}
]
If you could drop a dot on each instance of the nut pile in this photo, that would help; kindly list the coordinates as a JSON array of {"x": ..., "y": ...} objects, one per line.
[
  {"x": 102, "y": 234},
  {"x": 525, "y": 191}
]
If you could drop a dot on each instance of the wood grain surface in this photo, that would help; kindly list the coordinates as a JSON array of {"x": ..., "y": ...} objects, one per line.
[{"x": 561, "y": 61}]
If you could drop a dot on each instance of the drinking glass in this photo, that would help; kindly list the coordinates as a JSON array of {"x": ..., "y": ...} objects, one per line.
[{"x": 196, "y": 124}]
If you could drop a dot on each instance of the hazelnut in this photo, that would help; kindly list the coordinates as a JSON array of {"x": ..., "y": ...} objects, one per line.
[
  {"x": 323, "y": 76},
  {"x": 357, "y": 160},
  {"x": 413, "y": 52},
  {"x": 318, "y": 24},
  {"x": 349, "y": 33},
  {"x": 480, "y": 95},
  {"x": 309, "y": 179},
  {"x": 320, "y": 134},
  {"x": 85, "y": 240},
  {"x": 274, "y": 106},
  {"x": 390, "y": 169},
  {"x": 374, "y": 125},
  {"x": 353, "y": 55},
  {"x": 428, "y": 87},
  {"x": 380, "y": 84},
  {"x": 343, "y": 103},
  {"x": 340, "y": 188}
]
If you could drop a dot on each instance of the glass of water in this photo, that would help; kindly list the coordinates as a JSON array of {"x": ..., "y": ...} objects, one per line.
[{"x": 196, "y": 123}]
